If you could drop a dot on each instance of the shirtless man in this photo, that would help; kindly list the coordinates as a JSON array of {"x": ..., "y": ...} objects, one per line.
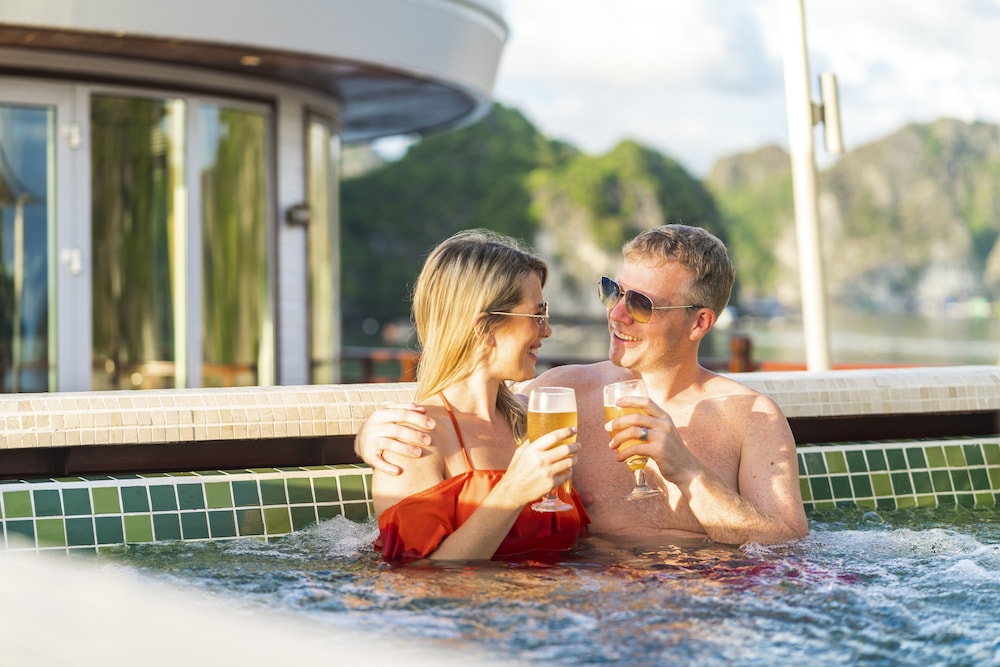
[{"x": 723, "y": 453}]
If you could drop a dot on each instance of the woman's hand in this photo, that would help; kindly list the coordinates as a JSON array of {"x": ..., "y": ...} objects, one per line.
[
  {"x": 404, "y": 429},
  {"x": 541, "y": 465}
]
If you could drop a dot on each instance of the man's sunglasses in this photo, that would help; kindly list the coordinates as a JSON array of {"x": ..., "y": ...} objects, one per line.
[{"x": 638, "y": 306}]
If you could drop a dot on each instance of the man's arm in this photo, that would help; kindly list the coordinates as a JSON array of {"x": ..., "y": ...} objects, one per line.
[
  {"x": 766, "y": 505},
  {"x": 767, "y": 508},
  {"x": 403, "y": 429}
]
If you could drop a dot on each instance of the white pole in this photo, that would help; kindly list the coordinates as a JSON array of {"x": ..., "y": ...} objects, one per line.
[{"x": 800, "y": 144}]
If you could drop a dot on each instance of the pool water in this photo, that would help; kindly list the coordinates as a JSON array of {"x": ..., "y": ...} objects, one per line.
[{"x": 917, "y": 587}]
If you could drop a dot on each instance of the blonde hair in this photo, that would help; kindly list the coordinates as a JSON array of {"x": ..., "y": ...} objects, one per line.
[
  {"x": 464, "y": 277},
  {"x": 700, "y": 252}
]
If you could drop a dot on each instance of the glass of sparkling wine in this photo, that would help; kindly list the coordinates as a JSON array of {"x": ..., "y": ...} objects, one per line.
[
  {"x": 551, "y": 408},
  {"x": 637, "y": 464}
]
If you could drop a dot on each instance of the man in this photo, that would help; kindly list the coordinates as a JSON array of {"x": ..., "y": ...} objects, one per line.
[{"x": 722, "y": 453}]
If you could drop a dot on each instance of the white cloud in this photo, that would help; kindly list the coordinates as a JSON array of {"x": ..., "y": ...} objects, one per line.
[{"x": 699, "y": 79}]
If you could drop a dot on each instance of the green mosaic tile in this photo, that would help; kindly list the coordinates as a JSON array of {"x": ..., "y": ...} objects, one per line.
[
  {"x": 955, "y": 455},
  {"x": 866, "y": 503},
  {"x": 326, "y": 489},
  {"x": 915, "y": 458},
  {"x": 926, "y": 501},
  {"x": 985, "y": 500},
  {"x": 76, "y": 502},
  {"x": 250, "y": 522},
  {"x": 166, "y": 527},
  {"x": 302, "y": 517},
  {"x": 47, "y": 502},
  {"x": 994, "y": 478},
  {"x": 862, "y": 486},
  {"x": 821, "y": 488},
  {"x": 802, "y": 464},
  {"x": 138, "y": 528},
  {"x": 272, "y": 492},
  {"x": 218, "y": 495},
  {"x": 841, "y": 486},
  {"x": 935, "y": 457},
  {"x": 960, "y": 480},
  {"x": 276, "y": 520},
  {"x": 980, "y": 480},
  {"x": 17, "y": 504},
  {"x": 922, "y": 482},
  {"x": 163, "y": 497},
  {"x": 109, "y": 530},
  {"x": 965, "y": 499},
  {"x": 245, "y": 493},
  {"x": 885, "y": 503},
  {"x": 324, "y": 512},
  {"x": 805, "y": 489},
  {"x": 51, "y": 532},
  {"x": 856, "y": 461},
  {"x": 881, "y": 484},
  {"x": 299, "y": 490},
  {"x": 135, "y": 499},
  {"x": 991, "y": 451},
  {"x": 946, "y": 500},
  {"x": 896, "y": 459},
  {"x": 105, "y": 500},
  {"x": 22, "y": 529},
  {"x": 194, "y": 525},
  {"x": 876, "y": 459},
  {"x": 222, "y": 523},
  {"x": 836, "y": 463},
  {"x": 906, "y": 502},
  {"x": 80, "y": 532},
  {"x": 974, "y": 455},
  {"x": 191, "y": 496},
  {"x": 941, "y": 481},
  {"x": 815, "y": 463},
  {"x": 901, "y": 484},
  {"x": 352, "y": 487},
  {"x": 357, "y": 512}
]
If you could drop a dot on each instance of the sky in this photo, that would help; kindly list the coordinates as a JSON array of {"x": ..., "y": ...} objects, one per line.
[{"x": 702, "y": 79}]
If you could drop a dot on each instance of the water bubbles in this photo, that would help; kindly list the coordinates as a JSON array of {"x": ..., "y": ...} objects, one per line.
[{"x": 871, "y": 519}]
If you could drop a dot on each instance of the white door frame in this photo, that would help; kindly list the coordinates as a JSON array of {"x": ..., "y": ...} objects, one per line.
[{"x": 69, "y": 249}]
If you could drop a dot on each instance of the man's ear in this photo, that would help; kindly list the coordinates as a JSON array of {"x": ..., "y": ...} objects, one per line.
[{"x": 703, "y": 323}]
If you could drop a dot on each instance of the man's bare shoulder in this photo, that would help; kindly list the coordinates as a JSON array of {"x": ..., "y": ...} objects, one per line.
[
  {"x": 579, "y": 376},
  {"x": 722, "y": 386}
]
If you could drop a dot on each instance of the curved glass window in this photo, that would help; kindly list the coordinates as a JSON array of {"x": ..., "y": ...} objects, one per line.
[
  {"x": 179, "y": 234},
  {"x": 235, "y": 293}
]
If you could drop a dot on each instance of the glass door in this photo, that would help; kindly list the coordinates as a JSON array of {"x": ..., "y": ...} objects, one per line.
[{"x": 35, "y": 136}]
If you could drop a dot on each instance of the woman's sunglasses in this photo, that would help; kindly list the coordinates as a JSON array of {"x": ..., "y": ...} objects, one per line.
[{"x": 638, "y": 306}]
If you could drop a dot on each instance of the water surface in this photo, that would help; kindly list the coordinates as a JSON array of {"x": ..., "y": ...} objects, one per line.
[{"x": 919, "y": 587}]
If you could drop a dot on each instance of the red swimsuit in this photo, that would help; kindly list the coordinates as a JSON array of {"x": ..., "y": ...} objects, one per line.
[{"x": 416, "y": 525}]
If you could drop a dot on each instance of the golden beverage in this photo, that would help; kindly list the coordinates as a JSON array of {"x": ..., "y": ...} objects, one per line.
[
  {"x": 613, "y": 412},
  {"x": 540, "y": 423}
]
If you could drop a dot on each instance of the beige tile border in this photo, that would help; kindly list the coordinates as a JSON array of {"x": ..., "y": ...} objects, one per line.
[{"x": 197, "y": 415}]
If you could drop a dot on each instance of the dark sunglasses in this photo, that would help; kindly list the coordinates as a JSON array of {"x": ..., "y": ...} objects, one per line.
[{"x": 638, "y": 306}]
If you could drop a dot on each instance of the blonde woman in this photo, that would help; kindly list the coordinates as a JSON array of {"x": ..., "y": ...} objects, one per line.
[{"x": 480, "y": 319}]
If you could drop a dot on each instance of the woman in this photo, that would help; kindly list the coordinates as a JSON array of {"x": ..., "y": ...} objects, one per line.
[{"x": 480, "y": 319}]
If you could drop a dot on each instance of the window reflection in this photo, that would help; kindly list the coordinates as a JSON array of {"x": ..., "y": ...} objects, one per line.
[
  {"x": 26, "y": 142},
  {"x": 323, "y": 257},
  {"x": 137, "y": 227},
  {"x": 236, "y": 304}
]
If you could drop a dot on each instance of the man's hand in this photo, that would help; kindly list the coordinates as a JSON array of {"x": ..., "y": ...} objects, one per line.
[{"x": 403, "y": 428}]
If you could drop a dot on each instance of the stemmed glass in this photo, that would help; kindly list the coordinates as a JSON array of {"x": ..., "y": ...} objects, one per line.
[
  {"x": 549, "y": 409},
  {"x": 637, "y": 464}
]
